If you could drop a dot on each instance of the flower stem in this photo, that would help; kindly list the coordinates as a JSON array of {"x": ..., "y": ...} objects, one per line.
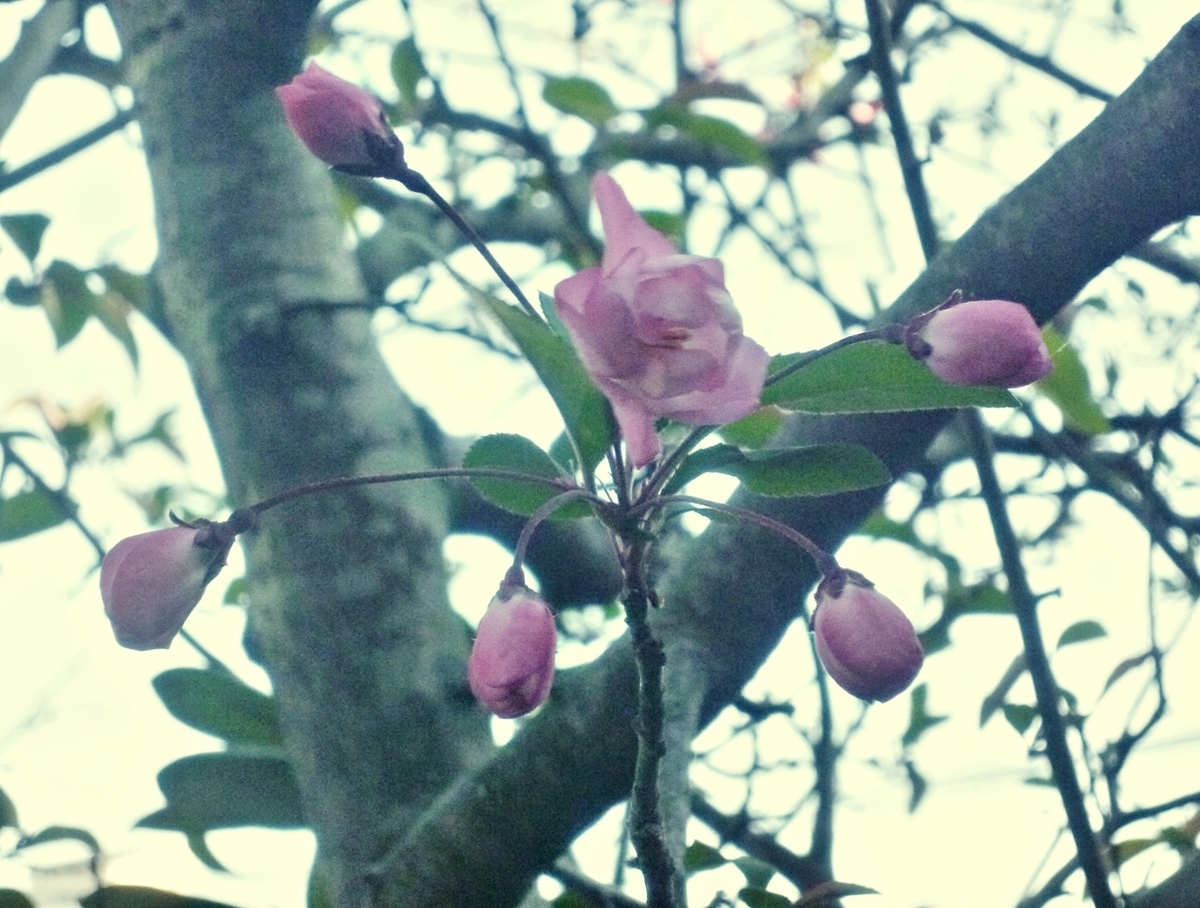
[
  {"x": 536, "y": 518},
  {"x": 826, "y": 563},
  {"x": 645, "y": 818},
  {"x": 892, "y": 334},
  {"x": 248, "y": 514},
  {"x": 416, "y": 182}
]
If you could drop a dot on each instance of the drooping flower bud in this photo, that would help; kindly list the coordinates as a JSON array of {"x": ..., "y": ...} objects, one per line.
[
  {"x": 511, "y": 666},
  {"x": 151, "y": 582},
  {"x": 980, "y": 342},
  {"x": 340, "y": 123},
  {"x": 865, "y": 642}
]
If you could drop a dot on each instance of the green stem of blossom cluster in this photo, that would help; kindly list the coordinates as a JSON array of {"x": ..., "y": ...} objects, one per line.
[{"x": 416, "y": 182}]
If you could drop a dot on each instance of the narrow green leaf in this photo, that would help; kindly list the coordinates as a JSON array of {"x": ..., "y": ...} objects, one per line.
[
  {"x": 999, "y": 694},
  {"x": 408, "y": 69},
  {"x": 550, "y": 311},
  {"x": 1067, "y": 385},
  {"x": 872, "y": 377},
  {"x": 515, "y": 452},
  {"x": 700, "y": 856},
  {"x": 199, "y": 847},
  {"x": 227, "y": 789},
  {"x": 220, "y": 705},
  {"x": 1080, "y": 632},
  {"x": 820, "y": 895},
  {"x": 788, "y": 472},
  {"x": 26, "y": 513},
  {"x": 61, "y": 834},
  {"x": 585, "y": 411},
  {"x": 144, "y": 897},
  {"x": 580, "y": 97},
  {"x": 917, "y": 785},
  {"x": 26, "y": 231}
]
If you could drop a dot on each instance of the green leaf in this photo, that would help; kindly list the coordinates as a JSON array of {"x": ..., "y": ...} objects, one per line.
[
  {"x": 227, "y": 789},
  {"x": 143, "y": 897},
  {"x": 26, "y": 513},
  {"x": 700, "y": 856},
  {"x": 61, "y": 834},
  {"x": 580, "y": 97},
  {"x": 757, "y": 873},
  {"x": 320, "y": 893},
  {"x": 1080, "y": 632},
  {"x": 757, "y": 897},
  {"x": 919, "y": 720},
  {"x": 12, "y": 898},
  {"x": 788, "y": 472},
  {"x": 8, "y": 811},
  {"x": 755, "y": 430},
  {"x": 872, "y": 377},
  {"x": 21, "y": 294},
  {"x": 550, "y": 311},
  {"x": 724, "y": 136},
  {"x": 917, "y": 786},
  {"x": 218, "y": 704},
  {"x": 67, "y": 299},
  {"x": 1020, "y": 716},
  {"x": 570, "y": 898},
  {"x": 1067, "y": 385},
  {"x": 819, "y": 896},
  {"x": 199, "y": 847},
  {"x": 515, "y": 452},
  {"x": 585, "y": 411},
  {"x": 712, "y": 132},
  {"x": 408, "y": 69},
  {"x": 999, "y": 694},
  {"x": 26, "y": 231}
]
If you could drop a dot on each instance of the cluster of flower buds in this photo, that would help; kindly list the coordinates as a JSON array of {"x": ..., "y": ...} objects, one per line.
[
  {"x": 867, "y": 645},
  {"x": 150, "y": 583},
  {"x": 511, "y": 667}
]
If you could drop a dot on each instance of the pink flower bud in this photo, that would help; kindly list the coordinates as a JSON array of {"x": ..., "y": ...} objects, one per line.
[
  {"x": 865, "y": 642},
  {"x": 512, "y": 662},
  {"x": 151, "y": 582},
  {"x": 341, "y": 123},
  {"x": 657, "y": 331},
  {"x": 981, "y": 342}
]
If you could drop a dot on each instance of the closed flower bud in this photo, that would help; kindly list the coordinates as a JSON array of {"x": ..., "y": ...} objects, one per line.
[
  {"x": 981, "y": 342},
  {"x": 341, "y": 123},
  {"x": 511, "y": 666},
  {"x": 864, "y": 641},
  {"x": 151, "y": 582}
]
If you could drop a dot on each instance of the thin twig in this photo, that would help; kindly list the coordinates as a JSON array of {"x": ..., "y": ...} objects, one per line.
[
  {"x": 67, "y": 149},
  {"x": 1024, "y": 605}
]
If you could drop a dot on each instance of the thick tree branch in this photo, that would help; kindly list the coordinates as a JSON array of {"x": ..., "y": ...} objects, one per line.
[{"x": 1133, "y": 171}]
